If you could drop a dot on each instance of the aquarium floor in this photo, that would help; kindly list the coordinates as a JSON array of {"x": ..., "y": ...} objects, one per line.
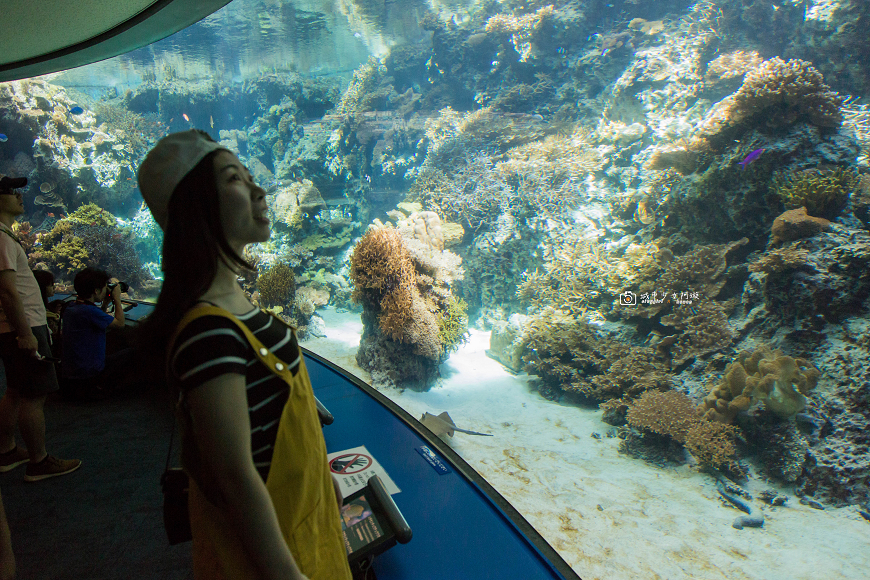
[
  {"x": 103, "y": 521},
  {"x": 609, "y": 516}
]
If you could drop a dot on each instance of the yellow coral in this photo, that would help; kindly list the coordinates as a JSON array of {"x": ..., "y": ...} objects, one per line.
[{"x": 823, "y": 192}]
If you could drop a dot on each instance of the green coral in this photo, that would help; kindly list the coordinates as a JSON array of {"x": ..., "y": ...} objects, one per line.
[
  {"x": 277, "y": 285},
  {"x": 68, "y": 255},
  {"x": 823, "y": 192},
  {"x": 91, "y": 213},
  {"x": 453, "y": 324}
]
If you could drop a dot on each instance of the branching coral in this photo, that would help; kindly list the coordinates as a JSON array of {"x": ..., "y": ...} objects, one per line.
[
  {"x": 406, "y": 301},
  {"x": 674, "y": 415},
  {"x": 453, "y": 324},
  {"x": 702, "y": 329},
  {"x": 823, "y": 192},
  {"x": 780, "y": 382},
  {"x": 569, "y": 356},
  {"x": 700, "y": 271},
  {"x": 90, "y": 236},
  {"x": 137, "y": 131},
  {"x": 521, "y": 28},
  {"x": 783, "y": 91},
  {"x": 277, "y": 285},
  {"x": 780, "y": 260}
]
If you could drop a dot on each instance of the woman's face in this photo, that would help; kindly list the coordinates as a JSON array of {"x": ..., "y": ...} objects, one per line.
[
  {"x": 242, "y": 203},
  {"x": 49, "y": 290}
]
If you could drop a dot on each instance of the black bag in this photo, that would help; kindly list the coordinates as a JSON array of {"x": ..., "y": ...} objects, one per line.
[{"x": 176, "y": 519}]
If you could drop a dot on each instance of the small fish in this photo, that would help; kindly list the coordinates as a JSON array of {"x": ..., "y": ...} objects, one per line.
[
  {"x": 750, "y": 158},
  {"x": 443, "y": 425},
  {"x": 76, "y": 110},
  {"x": 3, "y": 138},
  {"x": 211, "y": 121},
  {"x": 49, "y": 214},
  {"x": 186, "y": 118}
]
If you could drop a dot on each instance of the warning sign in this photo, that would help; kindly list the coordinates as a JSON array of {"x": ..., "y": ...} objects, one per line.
[
  {"x": 350, "y": 463},
  {"x": 353, "y": 468}
]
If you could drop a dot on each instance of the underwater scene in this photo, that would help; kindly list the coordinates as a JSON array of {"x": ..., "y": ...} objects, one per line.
[{"x": 629, "y": 240}]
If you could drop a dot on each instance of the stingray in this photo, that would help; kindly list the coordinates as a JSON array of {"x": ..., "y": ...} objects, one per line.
[{"x": 443, "y": 425}]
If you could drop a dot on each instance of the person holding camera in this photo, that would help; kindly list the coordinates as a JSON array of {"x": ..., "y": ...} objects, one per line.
[
  {"x": 263, "y": 503},
  {"x": 24, "y": 344},
  {"x": 87, "y": 371}
]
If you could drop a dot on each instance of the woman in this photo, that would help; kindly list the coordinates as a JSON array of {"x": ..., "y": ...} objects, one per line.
[
  {"x": 45, "y": 279},
  {"x": 262, "y": 500}
]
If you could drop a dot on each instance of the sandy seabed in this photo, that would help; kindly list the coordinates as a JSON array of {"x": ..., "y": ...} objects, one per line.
[{"x": 611, "y": 517}]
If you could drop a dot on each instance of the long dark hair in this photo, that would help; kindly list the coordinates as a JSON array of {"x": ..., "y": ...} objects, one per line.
[
  {"x": 45, "y": 279},
  {"x": 194, "y": 244}
]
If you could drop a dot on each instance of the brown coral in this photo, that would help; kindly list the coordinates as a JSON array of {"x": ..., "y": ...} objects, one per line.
[
  {"x": 795, "y": 224},
  {"x": 668, "y": 413},
  {"x": 780, "y": 382},
  {"x": 703, "y": 329},
  {"x": 780, "y": 260},
  {"x": 674, "y": 415},
  {"x": 570, "y": 356}
]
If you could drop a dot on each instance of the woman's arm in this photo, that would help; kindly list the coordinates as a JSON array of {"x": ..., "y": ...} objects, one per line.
[{"x": 222, "y": 431}]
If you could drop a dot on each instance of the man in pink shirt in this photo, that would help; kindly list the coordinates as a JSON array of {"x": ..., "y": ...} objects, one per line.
[{"x": 24, "y": 342}]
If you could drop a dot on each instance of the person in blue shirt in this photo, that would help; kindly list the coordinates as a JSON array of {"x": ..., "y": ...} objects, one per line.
[{"x": 86, "y": 371}]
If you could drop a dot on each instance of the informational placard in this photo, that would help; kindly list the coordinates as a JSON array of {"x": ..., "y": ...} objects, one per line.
[
  {"x": 359, "y": 524},
  {"x": 354, "y": 467}
]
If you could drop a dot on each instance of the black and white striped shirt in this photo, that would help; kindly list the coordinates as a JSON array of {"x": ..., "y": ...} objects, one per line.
[{"x": 211, "y": 346}]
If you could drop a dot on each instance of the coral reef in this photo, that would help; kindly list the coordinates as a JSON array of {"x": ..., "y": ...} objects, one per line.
[
  {"x": 785, "y": 92},
  {"x": 673, "y": 414},
  {"x": 700, "y": 329},
  {"x": 570, "y": 357},
  {"x": 90, "y": 236},
  {"x": 833, "y": 282},
  {"x": 732, "y": 65},
  {"x": 277, "y": 285},
  {"x": 408, "y": 309},
  {"x": 780, "y": 382},
  {"x": 822, "y": 192},
  {"x": 795, "y": 224}
]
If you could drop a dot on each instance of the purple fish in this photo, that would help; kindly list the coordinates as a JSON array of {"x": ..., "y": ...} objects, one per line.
[{"x": 750, "y": 158}]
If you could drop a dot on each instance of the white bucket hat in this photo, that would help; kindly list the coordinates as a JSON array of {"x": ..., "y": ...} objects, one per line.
[{"x": 165, "y": 166}]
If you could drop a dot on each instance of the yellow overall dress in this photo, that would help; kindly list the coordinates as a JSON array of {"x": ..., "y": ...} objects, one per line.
[{"x": 299, "y": 484}]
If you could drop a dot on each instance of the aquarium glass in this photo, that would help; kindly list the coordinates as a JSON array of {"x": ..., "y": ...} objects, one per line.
[{"x": 628, "y": 240}]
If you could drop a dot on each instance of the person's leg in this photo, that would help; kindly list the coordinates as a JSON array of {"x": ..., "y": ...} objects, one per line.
[
  {"x": 7, "y": 557},
  {"x": 31, "y": 421},
  {"x": 9, "y": 406}
]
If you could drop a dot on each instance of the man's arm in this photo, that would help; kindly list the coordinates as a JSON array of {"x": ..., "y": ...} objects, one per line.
[
  {"x": 119, "y": 308},
  {"x": 10, "y": 301}
]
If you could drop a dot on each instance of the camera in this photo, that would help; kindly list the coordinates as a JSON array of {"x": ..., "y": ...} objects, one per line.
[
  {"x": 124, "y": 287},
  {"x": 627, "y": 298}
]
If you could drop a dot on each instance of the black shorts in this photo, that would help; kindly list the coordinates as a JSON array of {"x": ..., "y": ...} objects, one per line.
[{"x": 30, "y": 377}]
